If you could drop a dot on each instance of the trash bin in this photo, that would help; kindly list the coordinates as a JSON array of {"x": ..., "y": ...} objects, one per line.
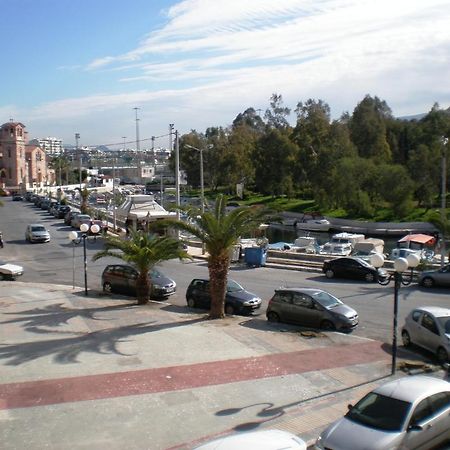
[{"x": 255, "y": 256}]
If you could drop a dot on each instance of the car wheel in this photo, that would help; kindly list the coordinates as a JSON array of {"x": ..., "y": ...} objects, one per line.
[
  {"x": 428, "y": 282},
  {"x": 107, "y": 287},
  {"x": 229, "y": 309},
  {"x": 327, "y": 325},
  {"x": 191, "y": 303},
  {"x": 329, "y": 273},
  {"x": 273, "y": 317},
  {"x": 406, "y": 338},
  {"x": 370, "y": 277},
  {"x": 442, "y": 355}
]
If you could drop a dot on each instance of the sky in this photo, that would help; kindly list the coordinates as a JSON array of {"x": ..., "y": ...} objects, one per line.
[{"x": 82, "y": 66}]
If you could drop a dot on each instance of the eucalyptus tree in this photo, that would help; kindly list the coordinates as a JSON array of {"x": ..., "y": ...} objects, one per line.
[
  {"x": 219, "y": 232},
  {"x": 276, "y": 116},
  {"x": 143, "y": 251}
]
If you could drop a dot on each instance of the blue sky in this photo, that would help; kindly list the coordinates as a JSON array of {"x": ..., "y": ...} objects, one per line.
[{"x": 81, "y": 66}]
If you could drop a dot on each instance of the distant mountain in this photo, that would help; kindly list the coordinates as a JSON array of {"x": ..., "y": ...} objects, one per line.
[{"x": 413, "y": 117}]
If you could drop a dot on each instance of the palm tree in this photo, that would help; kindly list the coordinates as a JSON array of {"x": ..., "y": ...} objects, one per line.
[
  {"x": 442, "y": 223},
  {"x": 142, "y": 251},
  {"x": 219, "y": 231}
]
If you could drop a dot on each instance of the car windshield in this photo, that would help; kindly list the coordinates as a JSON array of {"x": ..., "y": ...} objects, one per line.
[
  {"x": 326, "y": 300},
  {"x": 232, "y": 286},
  {"x": 38, "y": 228},
  {"x": 445, "y": 324},
  {"x": 155, "y": 274},
  {"x": 83, "y": 217},
  {"x": 364, "y": 263},
  {"x": 380, "y": 412}
]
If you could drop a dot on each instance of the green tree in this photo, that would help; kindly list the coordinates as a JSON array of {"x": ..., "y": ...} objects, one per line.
[
  {"x": 274, "y": 159},
  {"x": 368, "y": 129},
  {"x": 142, "y": 251},
  {"x": 220, "y": 231},
  {"x": 277, "y": 114}
]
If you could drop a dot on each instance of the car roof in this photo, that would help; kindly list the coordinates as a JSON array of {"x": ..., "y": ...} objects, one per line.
[
  {"x": 36, "y": 225},
  {"x": 299, "y": 289},
  {"x": 437, "y": 311},
  {"x": 413, "y": 388}
]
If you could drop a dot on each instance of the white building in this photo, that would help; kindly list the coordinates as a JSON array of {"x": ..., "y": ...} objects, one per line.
[{"x": 51, "y": 145}]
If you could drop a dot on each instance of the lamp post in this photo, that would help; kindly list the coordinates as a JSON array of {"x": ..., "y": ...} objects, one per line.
[
  {"x": 444, "y": 142},
  {"x": 400, "y": 266},
  {"x": 77, "y": 136},
  {"x": 77, "y": 239}
]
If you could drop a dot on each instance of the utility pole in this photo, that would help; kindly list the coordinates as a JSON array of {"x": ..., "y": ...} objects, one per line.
[
  {"x": 177, "y": 173},
  {"x": 171, "y": 148},
  {"x": 77, "y": 136}
]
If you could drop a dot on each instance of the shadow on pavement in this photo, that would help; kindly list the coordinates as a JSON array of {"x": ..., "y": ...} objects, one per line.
[
  {"x": 271, "y": 412},
  {"x": 66, "y": 350}
]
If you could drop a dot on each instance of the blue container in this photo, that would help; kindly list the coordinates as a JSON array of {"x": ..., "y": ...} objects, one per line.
[{"x": 255, "y": 256}]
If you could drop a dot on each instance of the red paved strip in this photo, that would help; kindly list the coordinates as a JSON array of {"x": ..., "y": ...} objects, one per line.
[{"x": 147, "y": 381}]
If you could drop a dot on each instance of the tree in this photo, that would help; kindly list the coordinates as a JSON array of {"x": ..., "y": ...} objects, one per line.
[
  {"x": 249, "y": 119},
  {"x": 368, "y": 129},
  {"x": 274, "y": 159},
  {"x": 219, "y": 231},
  {"x": 143, "y": 251},
  {"x": 277, "y": 114}
]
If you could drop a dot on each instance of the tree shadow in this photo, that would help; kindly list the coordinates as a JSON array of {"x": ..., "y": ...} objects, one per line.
[
  {"x": 66, "y": 350},
  {"x": 271, "y": 412},
  {"x": 56, "y": 315}
]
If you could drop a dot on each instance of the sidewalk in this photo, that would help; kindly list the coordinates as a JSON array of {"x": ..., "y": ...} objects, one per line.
[{"x": 102, "y": 373}]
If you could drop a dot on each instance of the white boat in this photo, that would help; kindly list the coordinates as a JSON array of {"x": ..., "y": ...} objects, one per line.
[
  {"x": 420, "y": 244},
  {"x": 341, "y": 244},
  {"x": 312, "y": 222},
  {"x": 366, "y": 248}
]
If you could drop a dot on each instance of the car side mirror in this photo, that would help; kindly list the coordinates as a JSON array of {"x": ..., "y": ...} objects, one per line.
[{"x": 349, "y": 406}]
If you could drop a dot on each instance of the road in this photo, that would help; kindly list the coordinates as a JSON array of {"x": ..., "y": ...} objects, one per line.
[{"x": 61, "y": 262}]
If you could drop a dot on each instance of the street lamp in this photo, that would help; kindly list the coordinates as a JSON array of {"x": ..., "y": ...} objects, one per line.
[
  {"x": 400, "y": 266},
  {"x": 77, "y": 239},
  {"x": 444, "y": 142}
]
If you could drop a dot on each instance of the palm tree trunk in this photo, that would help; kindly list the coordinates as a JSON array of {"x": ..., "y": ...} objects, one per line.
[
  {"x": 218, "y": 273},
  {"x": 143, "y": 289}
]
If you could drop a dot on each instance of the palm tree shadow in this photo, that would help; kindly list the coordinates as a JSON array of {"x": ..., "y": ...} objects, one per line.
[
  {"x": 58, "y": 314},
  {"x": 67, "y": 349}
]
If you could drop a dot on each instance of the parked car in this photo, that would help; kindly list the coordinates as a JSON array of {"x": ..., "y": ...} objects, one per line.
[
  {"x": 311, "y": 307},
  {"x": 440, "y": 277},
  {"x": 429, "y": 327},
  {"x": 260, "y": 440},
  {"x": 61, "y": 212},
  {"x": 37, "y": 232},
  {"x": 69, "y": 216},
  {"x": 78, "y": 219},
  {"x": 407, "y": 413},
  {"x": 237, "y": 299},
  {"x": 122, "y": 279},
  {"x": 17, "y": 198},
  {"x": 10, "y": 271},
  {"x": 352, "y": 267}
]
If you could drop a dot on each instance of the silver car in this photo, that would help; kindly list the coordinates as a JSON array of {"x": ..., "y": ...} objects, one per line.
[
  {"x": 37, "y": 232},
  {"x": 440, "y": 277},
  {"x": 408, "y": 413},
  {"x": 429, "y": 327}
]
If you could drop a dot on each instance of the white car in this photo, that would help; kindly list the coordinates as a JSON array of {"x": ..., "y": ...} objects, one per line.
[
  {"x": 10, "y": 271},
  {"x": 404, "y": 414},
  {"x": 257, "y": 440}
]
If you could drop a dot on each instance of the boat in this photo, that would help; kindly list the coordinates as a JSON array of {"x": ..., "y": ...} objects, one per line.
[
  {"x": 341, "y": 244},
  {"x": 367, "y": 247},
  {"x": 303, "y": 244},
  {"x": 421, "y": 244},
  {"x": 312, "y": 222}
]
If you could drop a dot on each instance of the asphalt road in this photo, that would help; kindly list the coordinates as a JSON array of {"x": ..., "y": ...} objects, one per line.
[{"x": 61, "y": 262}]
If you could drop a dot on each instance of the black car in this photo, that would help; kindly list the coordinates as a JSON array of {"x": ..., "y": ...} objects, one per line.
[
  {"x": 237, "y": 299},
  {"x": 352, "y": 267},
  {"x": 61, "y": 212},
  {"x": 17, "y": 198},
  {"x": 311, "y": 308},
  {"x": 122, "y": 279}
]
